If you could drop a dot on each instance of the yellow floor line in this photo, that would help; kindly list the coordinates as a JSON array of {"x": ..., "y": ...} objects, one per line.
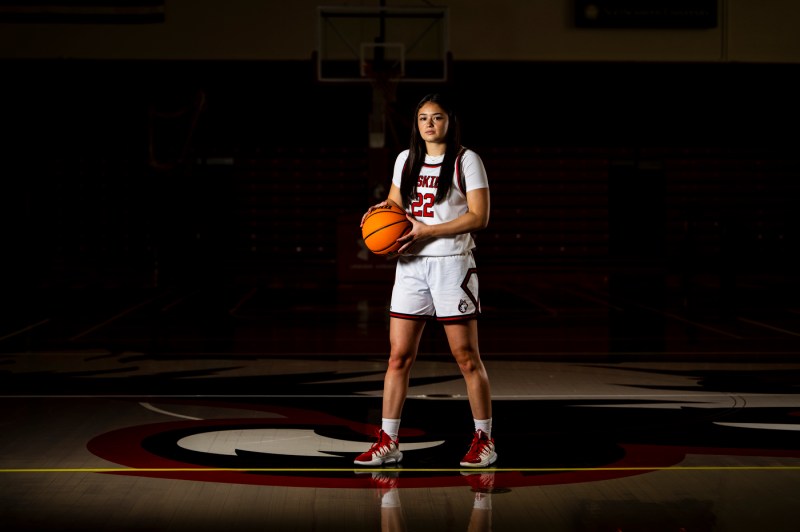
[{"x": 397, "y": 470}]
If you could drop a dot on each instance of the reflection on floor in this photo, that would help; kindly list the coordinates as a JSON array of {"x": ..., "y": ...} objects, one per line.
[{"x": 179, "y": 410}]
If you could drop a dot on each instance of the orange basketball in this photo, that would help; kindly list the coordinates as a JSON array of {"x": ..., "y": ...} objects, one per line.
[{"x": 383, "y": 227}]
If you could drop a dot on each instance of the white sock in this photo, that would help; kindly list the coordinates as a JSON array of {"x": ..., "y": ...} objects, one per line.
[
  {"x": 483, "y": 501},
  {"x": 391, "y": 499},
  {"x": 485, "y": 425},
  {"x": 391, "y": 427}
]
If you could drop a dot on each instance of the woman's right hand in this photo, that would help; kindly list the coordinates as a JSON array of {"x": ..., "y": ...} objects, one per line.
[{"x": 381, "y": 204}]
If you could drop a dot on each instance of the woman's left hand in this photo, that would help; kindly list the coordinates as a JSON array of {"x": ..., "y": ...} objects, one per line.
[{"x": 419, "y": 232}]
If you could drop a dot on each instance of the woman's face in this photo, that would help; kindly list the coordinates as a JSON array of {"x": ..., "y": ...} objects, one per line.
[{"x": 432, "y": 122}]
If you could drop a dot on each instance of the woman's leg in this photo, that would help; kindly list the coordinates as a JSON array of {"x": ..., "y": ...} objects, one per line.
[
  {"x": 463, "y": 340},
  {"x": 404, "y": 337}
]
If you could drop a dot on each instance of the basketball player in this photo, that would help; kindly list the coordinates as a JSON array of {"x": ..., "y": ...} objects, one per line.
[{"x": 445, "y": 191}]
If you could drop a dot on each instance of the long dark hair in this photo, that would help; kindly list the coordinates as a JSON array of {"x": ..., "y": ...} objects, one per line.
[{"x": 416, "y": 152}]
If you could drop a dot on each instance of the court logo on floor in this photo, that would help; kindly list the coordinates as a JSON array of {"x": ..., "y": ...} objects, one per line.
[{"x": 282, "y": 445}]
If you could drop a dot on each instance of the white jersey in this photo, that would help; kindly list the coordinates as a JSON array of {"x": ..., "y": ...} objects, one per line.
[{"x": 454, "y": 205}]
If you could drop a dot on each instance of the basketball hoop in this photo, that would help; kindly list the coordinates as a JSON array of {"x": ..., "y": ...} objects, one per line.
[
  {"x": 382, "y": 46},
  {"x": 357, "y": 43}
]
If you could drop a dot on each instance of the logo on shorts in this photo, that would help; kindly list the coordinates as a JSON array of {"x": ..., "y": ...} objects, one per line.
[{"x": 462, "y": 306}]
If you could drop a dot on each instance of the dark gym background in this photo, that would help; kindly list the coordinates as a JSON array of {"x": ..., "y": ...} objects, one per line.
[
  {"x": 136, "y": 175},
  {"x": 183, "y": 288}
]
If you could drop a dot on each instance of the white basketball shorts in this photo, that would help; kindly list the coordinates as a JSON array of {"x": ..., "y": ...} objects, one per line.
[{"x": 445, "y": 288}]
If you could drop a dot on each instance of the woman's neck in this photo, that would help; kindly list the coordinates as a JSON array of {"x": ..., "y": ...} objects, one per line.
[{"x": 435, "y": 149}]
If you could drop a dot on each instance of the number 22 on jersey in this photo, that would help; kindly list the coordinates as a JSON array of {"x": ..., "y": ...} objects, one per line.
[{"x": 423, "y": 205}]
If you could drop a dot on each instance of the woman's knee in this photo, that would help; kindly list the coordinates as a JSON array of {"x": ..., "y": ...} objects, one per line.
[
  {"x": 400, "y": 360},
  {"x": 468, "y": 360}
]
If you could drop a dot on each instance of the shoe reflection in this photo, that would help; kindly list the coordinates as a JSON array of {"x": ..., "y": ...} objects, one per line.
[
  {"x": 386, "y": 483},
  {"x": 482, "y": 484},
  {"x": 392, "y": 518}
]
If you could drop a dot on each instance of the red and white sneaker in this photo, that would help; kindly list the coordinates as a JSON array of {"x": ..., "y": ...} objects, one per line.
[
  {"x": 383, "y": 451},
  {"x": 480, "y": 482},
  {"x": 385, "y": 481},
  {"x": 481, "y": 451}
]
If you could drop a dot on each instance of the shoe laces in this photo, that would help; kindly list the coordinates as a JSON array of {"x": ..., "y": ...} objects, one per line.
[
  {"x": 383, "y": 445},
  {"x": 480, "y": 443}
]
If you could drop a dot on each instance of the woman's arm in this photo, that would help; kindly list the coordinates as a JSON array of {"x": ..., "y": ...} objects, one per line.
[
  {"x": 475, "y": 219},
  {"x": 393, "y": 199}
]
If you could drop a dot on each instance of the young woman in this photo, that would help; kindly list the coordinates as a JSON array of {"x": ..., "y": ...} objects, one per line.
[{"x": 445, "y": 191}]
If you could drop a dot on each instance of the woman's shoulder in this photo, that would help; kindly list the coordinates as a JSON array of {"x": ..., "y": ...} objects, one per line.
[
  {"x": 468, "y": 155},
  {"x": 400, "y": 162}
]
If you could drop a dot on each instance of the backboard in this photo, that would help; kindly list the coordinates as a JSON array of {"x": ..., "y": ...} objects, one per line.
[{"x": 394, "y": 44}]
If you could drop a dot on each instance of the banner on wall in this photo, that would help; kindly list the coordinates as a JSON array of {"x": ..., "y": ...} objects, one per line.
[
  {"x": 682, "y": 14},
  {"x": 81, "y": 12}
]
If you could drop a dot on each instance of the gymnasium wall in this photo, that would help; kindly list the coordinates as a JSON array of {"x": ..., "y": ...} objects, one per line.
[
  {"x": 500, "y": 30},
  {"x": 203, "y": 148}
]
